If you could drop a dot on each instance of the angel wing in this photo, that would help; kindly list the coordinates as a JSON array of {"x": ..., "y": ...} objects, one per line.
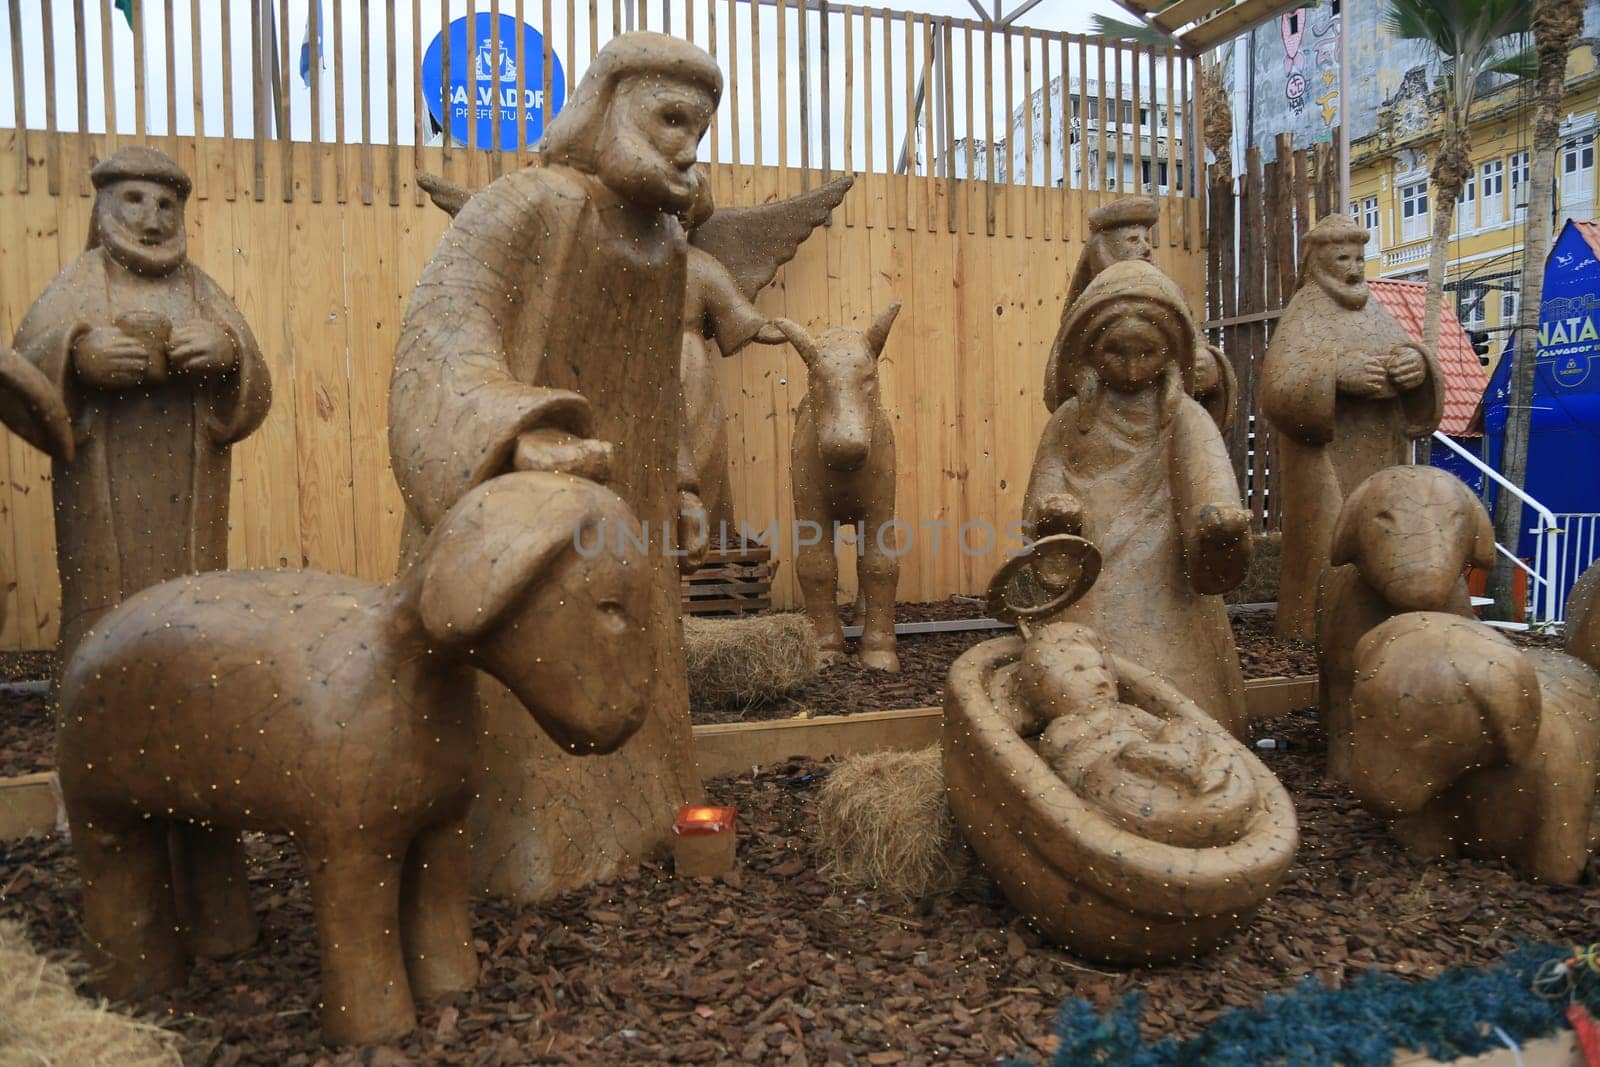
[
  {"x": 446, "y": 195},
  {"x": 753, "y": 242}
]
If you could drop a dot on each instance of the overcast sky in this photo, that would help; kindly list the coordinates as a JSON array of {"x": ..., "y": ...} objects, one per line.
[{"x": 1055, "y": 15}]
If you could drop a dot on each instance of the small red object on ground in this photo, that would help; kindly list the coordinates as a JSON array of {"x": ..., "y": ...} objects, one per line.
[
  {"x": 704, "y": 840},
  {"x": 1583, "y": 1027}
]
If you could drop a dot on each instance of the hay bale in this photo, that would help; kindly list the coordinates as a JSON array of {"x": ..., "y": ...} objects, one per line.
[
  {"x": 43, "y": 1021},
  {"x": 743, "y": 661},
  {"x": 884, "y": 823}
]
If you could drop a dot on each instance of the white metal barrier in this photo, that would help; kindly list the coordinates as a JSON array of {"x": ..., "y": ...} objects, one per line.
[{"x": 1545, "y": 589}]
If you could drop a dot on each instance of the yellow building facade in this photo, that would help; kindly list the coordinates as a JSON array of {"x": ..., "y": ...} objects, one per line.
[{"x": 1391, "y": 195}]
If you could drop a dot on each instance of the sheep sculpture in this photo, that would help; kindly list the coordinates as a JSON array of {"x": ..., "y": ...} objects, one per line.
[{"x": 341, "y": 712}]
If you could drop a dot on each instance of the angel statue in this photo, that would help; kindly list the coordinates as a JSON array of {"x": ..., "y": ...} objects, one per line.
[{"x": 734, "y": 253}]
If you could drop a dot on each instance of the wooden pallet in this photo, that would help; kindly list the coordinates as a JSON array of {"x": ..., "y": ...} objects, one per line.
[{"x": 732, "y": 581}]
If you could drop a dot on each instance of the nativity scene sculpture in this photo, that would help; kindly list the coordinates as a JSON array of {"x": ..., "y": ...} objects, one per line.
[
  {"x": 1133, "y": 463},
  {"x": 842, "y": 472},
  {"x": 734, "y": 253},
  {"x": 1121, "y": 231},
  {"x": 1347, "y": 390},
  {"x": 341, "y": 712},
  {"x": 136, "y": 374},
  {"x": 546, "y": 334},
  {"x": 1113, "y": 811}
]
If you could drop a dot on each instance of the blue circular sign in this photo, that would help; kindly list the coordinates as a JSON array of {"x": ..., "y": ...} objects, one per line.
[{"x": 497, "y": 108}]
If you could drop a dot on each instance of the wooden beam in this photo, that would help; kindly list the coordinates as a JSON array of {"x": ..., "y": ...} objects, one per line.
[
  {"x": 1184, "y": 12},
  {"x": 1233, "y": 22}
]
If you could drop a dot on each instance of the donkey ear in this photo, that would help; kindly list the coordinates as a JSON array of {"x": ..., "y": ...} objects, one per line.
[
  {"x": 800, "y": 338},
  {"x": 878, "y": 332},
  {"x": 489, "y": 550},
  {"x": 1508, "y": 693}
]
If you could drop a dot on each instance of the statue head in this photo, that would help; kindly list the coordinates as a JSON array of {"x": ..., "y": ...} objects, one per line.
[
  {"x": 138, "y": 210},
  {"x": 1120, "y": 231},
  {"x": 1335, "y": 259},
  {"x": 636, "y": 119},
  {"x": 1128, "y": 331}
]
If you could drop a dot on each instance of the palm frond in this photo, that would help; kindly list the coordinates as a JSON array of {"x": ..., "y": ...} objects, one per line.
[{"x": 1118, "y": 30}]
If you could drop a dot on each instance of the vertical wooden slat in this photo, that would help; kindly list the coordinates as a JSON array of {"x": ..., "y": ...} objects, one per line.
[
  {"x": 1174, "y": 190},
  {"x": 108, "y": 85},
  {"x": 202, "y": 171},
  {"x": 141, "y": 124},
  {"x": 1027, "y": 134},
  {"x": 169, "y": 40},
  {"x": 518, "y": 14},
  {"x": 547, "y": 56},
  {"x": 1102, "y": 168},
  {"x": 419, "y": 103},
  {"x": 258, "y": 98},
  {"x": 1118, "y": 171},
  {"x": 890, "y": 214},
  {"x": 849, "y": 91},
  {"x": 970, "y": 177},
  {"x": 1272, "y": 250},
  {"x": 365, "y": 54},
  {"x": 988, "y": 126},
  {"x": 315, "y": 17},
  {"x": 1302, "y": 215},
  {"x": 928, "y": 184},
  {"x": 594, "y": 29},
  {"x": 711, "y": 38},
  {"x": 445, "y": 155},
  {"x": 803, "y": 38},
  {"x": 950, "y": 184},
  {"x": 470, "y": 59},
  {"x": 494, "y": 90},
  {"x": 824, "y": 40},
  {"x": 755, "y": 79},
  {"x": 1047, "y": 142},
  {"x": 911, "y": 119},
  {"x": 733, "y": 77},
  {"x": 1064, "y": 143},
  {"x": 392, "y": 101},
  {"x": 1009, "y": 175},
  {"x": 572, "y": 35},
  {"x": 80, "y": 49},
  {"x": 782, "y": 11},
  {"x": 280, "y": 84},
  {"x": 869, "y": 207},
  {"x": 1152, "y": 105},
  {"x": 232, "y": 156},
  {"x": 52, "y": 134},
  {"x": 341, "y": 183},
  {"x": 1251, "y": 301},
  {"x": 1283, "y": 233},
  {"x": 1138, "y": 127},
  {"x": 1194, "y": 149}
]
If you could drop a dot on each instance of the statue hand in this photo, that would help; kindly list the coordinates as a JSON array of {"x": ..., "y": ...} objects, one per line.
[
  {"x": 107, "y": 358},
  {"x": 1407, "y": 367},
  {"x": 1362, "y": 374},
  {"x": 693, "y": 533},
  {"x": 771, "y": 334},
  {"x": 1219, "y": 530},
  {"x": 562, "y": 453},
  {"x": 201, "y": 346}
]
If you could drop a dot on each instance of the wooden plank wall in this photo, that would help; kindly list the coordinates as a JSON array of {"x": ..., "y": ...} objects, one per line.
[{"x": 324, "y": 284}]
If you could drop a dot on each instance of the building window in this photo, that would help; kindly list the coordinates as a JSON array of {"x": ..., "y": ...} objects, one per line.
[
  {"x": 1414, "y": 211},
  {"x": 1470, "y": 307},
  {"x": 1369, "y": 220},
  {"x": 1508, "y": 309},
  {"x": 1519, "y": 187},
  {"x": 1491, "y": 208},
  {"x": 1467, "y": 205},
  {"x": 1577, "y": 177}
]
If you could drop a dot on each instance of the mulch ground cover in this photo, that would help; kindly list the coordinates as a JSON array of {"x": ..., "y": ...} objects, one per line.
[
  {"x": 846, "y": 687},
  {"x": 775, "y": 965}
]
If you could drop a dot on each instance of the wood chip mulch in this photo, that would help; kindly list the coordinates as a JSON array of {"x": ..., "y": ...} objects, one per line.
[{"x": 773, "y": 965}]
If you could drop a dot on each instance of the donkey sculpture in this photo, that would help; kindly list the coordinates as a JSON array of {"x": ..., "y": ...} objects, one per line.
[{"x": 842, "y": 469}]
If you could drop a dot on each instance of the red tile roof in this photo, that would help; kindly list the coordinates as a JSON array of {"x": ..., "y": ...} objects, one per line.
[{"x": 1464, "y": 377}]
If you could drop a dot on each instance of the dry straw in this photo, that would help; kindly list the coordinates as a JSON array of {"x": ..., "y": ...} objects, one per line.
[
  {"x": 44, "y": 1023},
  {"x": 744, "y": 661},
  {"x": 884, "y": 824}
]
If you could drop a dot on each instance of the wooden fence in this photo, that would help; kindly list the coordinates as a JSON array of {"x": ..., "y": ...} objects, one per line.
[
  {"x": 324, "y": 285},
  {"x": 847, "y": 88},
  {"x": 1249, "y": 281}
]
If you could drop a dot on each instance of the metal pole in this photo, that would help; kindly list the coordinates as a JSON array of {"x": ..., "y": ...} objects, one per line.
[{"x": 1344, "y": 108}]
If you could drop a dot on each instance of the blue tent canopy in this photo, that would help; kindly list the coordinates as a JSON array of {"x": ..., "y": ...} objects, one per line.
[{"x": 1564, "y": 438}]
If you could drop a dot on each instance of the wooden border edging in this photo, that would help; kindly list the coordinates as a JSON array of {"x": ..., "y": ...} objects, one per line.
[
  {"x": 736, "y": 747},
  {"x": 28, "y": 803}
]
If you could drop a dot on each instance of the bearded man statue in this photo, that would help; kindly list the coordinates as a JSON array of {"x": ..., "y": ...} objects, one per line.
[
  {"x": 1347, "y": 389},
  {"x": 135, "y": 373},
  {"x": 545, "y": 334}
]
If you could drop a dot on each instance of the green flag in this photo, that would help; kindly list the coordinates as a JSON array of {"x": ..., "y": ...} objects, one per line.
[{"x": 126, "y": 7}]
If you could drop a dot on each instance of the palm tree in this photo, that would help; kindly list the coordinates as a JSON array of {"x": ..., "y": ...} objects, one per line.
[
  {"x": 1556, "y": 27},
  {"x": 1475, "y": 38}
]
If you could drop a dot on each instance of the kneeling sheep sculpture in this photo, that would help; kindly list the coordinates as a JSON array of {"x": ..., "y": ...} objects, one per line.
[{"x": 340, "y": 712}]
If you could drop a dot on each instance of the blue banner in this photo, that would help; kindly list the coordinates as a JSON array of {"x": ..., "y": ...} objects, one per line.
[{"x": 497, "y": 108}]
